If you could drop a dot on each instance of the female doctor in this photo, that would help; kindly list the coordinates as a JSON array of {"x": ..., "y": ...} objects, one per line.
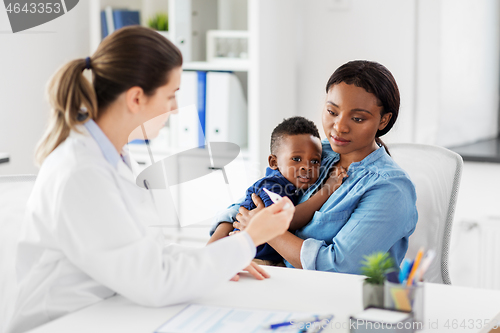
[{"x": 86, "y": 234}]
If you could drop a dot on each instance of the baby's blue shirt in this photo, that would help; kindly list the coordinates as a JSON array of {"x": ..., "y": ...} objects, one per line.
[{"x": 275, "y": 182}]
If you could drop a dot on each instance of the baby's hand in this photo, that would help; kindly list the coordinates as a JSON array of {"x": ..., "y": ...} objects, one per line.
[{"x": 337, "y": 175}]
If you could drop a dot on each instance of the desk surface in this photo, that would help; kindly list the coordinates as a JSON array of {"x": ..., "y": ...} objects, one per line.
[
  {"x": 447, "y": 308},
  {"x": 4, "y": 157}
]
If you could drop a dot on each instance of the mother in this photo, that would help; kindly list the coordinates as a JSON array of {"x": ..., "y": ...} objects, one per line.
[{"x": 374, "y": 209}]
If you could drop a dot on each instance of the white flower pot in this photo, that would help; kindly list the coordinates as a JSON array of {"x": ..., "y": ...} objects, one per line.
[{"x": 373, "y": 295}]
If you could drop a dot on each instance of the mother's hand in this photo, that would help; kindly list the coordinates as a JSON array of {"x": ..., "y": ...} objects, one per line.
[{"x": 244, "y": 215}]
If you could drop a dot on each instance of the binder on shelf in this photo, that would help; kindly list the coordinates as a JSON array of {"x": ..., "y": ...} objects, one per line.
[
  {"x": 201, "y": 103},
  {"x": 107, "y": 23},
  {"x": 113, "y": 19},
  {"x": 104, "y": 25},
  {"x": 123, "y": 18},
  {"x": 226, "y": 109},
  {"x": 212, "y": 107},
  {"x": 187, "y": 128}
]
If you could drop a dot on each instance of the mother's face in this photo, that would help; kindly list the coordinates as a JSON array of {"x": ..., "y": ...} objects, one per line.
[{"x": 351, "y": 118}]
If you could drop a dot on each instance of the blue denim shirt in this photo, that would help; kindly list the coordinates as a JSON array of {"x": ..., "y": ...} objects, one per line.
[
  {"x": 277, "y": 183},
  {"x": 373, "y": 210}
]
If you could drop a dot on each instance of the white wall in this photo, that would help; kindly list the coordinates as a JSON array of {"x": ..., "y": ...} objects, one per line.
[
  {"x": 470, "y": 65},
  {"x": 458, "y": 71},
  {"x": 428, "y": 76},
  {"x": 272, "y": 78},
  {"x": 382, "y": 31},
  {"x": 444, "y": 55},
  {"x": 28, "y": 59}
]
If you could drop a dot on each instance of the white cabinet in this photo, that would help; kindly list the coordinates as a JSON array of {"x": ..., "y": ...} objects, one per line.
[{"x": 475, "y": 247}]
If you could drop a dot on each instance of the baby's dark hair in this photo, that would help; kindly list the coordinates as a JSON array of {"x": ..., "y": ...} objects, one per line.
[{"x": 292, "y": 126}]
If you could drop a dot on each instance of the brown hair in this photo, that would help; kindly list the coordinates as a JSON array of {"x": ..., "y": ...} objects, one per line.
[
  {"x": 375, "y": 79},
  {"x": 130, "y": 57}
]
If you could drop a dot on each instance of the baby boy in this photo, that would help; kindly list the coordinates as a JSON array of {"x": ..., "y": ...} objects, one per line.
[{"x": 294, "y": 165}]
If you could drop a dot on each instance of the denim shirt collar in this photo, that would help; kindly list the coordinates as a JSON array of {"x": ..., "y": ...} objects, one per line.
[
  {"x": 329, "y": 155},
  {"x": 107, "y": 148},
  {"x": 371, "y": 158}
]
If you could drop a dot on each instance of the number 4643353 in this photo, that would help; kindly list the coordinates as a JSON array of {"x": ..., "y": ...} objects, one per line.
[{"x": 32, "y": 8}]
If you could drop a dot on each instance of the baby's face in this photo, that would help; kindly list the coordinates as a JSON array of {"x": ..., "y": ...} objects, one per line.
[{"x": 299, "y": 159}]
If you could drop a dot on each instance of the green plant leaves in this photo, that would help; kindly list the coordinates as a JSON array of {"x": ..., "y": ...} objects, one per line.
[
  {"x": 159, "y": 22},
  {"x": 376, "y": 265}
]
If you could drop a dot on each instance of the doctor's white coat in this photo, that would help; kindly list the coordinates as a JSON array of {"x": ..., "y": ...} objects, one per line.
[{"x": 86, "y": 237}]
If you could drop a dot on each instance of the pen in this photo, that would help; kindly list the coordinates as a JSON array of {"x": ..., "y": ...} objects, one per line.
[
  {"x": 313, "y": 319},
  {"x": 405, "y": 270},
  {"x": 418, "y": 258},
  {"x": 426, "y": 262},
  {"x": 275, "y": 197}
]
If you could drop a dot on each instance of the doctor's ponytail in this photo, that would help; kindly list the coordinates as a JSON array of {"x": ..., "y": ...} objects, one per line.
[
  {"x": 133, "y": 56},
  {"x": 69, "y": 94}
]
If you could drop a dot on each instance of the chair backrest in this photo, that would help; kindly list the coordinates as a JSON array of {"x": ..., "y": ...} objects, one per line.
[
  {"x": 435, "y": 172},
  {"x": 14, "y": 193}
]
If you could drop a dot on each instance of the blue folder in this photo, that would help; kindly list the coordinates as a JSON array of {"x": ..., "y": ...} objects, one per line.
[{"x": 202, "y": 103}]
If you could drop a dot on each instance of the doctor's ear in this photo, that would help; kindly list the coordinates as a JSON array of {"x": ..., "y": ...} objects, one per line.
[
  {"x": 273, "y": 162},
  {"x": 135, "y": 98}
]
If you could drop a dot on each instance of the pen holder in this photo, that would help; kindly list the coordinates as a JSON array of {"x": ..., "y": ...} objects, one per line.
[{"x": 406, "y": 298}]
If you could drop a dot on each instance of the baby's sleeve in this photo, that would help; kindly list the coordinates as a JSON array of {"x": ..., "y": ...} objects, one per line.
[
  {"x": 273, "y": 187},
  {"x": 226, "y": 215}
]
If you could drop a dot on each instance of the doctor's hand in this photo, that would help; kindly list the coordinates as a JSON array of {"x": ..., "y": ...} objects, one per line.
[
  {"x": 244, "y": 216},
  {"x": 257, "y": 272},
  {"x": 270, "y": 222}
]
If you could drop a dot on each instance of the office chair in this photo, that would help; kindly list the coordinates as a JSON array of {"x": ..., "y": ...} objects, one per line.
[
  {"x": 14, "y": 193},
  {"x": 435, "y": 172}
]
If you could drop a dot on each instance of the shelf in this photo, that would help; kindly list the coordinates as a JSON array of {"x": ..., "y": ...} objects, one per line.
[{"x": 236, "y": 66}]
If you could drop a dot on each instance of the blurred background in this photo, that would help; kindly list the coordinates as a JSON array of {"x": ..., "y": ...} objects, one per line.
[{"x": 277, "y": 56}]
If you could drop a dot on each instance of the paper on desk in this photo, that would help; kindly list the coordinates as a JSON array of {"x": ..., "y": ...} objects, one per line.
[{"x": 213, "y": 319}]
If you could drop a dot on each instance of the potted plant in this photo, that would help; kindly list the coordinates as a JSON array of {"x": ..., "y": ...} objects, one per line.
[
  {"x": 375, "y": 267},
  {"x": 159, "y": 22}
]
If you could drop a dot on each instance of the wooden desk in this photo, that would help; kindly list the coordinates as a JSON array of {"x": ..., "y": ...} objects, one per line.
[{"x": 292, "y": 290}]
